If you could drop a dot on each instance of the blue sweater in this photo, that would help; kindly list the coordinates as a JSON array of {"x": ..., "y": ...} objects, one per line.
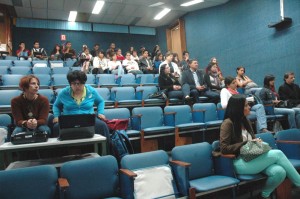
[{"x": 66, "y": 104}]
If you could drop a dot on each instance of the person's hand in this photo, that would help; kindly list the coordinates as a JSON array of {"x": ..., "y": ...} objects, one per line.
[
  {"x": 257, "y": 140},
  {"x": 31, "y": 123},
  {"x": 200, "y": 88},
  {"x": 55, "y": 120},
  {"x": 276, "y": 101},
  {"x": 101, "y": 117}
]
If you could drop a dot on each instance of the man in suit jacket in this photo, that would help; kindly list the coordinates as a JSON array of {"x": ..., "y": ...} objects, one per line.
[
  {"x": 198, "y": 87},
  {"x": 146, "y": 64},
  {"x": 290, "y": 91}
]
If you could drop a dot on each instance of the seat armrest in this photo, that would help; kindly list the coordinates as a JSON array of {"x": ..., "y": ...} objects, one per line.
[
  {"x": 199, "y": 110},
  {"x": 138, "y": 115},
  {"x": 288, "y": 141},
  {"x": 128, "y": 173},
  {"x": 231, "y": 156},
  {"x": 223, "y": 165},
  {"x": 180, "y": 163},
  {"x": 63, "y": 183},
  {"x": 170, "y": 113}
]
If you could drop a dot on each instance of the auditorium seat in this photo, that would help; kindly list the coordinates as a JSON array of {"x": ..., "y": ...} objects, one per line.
[
  {"x": 45, "y": 80},
  {"x": 4, "y": 70},
  {"x": 22, "y": 70},
  {"x": 124, "y": 97},
  {"x": 40, "y": 63},
  {"x": 5, "y": 99},
  {"x": 41, "y": 70},
  {"x": 10, "y": 81},
  {"x": 91, "y": 80},
  {"x": 106, "y": 80},
  {"x": 143, "y": 93},
  {"x": 59, "y": 80},
  {"x": 145, "y": 79},
  {"x": 49, "y": 94},
  {"x": 105, "y": 94},
  {"x": 127, "y": 80},
  {"x": 22, "y": 63},
  {"x": 60, "y": 70},
  {"x": 6, "y": 62}
]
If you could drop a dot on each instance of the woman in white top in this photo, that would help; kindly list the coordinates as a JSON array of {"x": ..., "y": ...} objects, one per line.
[
  {"x": 85, "y": 59},
  {"x": 100, "y": 63},
  {"x": 114, "y": 66},
  {"x": 131, "y": 65},
  {"x": 173, "y": 66}
]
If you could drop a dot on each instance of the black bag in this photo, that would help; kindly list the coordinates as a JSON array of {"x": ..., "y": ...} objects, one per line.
[
  {"x": 158, "y": 95},
  {"x": 120, "y": 144}
]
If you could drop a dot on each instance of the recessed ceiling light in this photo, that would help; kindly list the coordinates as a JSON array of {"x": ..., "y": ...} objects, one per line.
[
  {"x": 157, "y": 4},
  {"x": 72, "y": 16},
  {"x": 98, "y": 6},
  {"x": 189, "y": 3},
  {"x": 162, "y": 14}
]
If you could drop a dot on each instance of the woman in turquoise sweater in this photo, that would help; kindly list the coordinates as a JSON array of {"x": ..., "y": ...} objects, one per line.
[{"x": 79, "y": 98}]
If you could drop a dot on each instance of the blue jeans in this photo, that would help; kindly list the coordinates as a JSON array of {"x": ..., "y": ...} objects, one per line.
[
  {"x": 291, "y": 113},
  {"x": 274, "y": 164},
  {"x": 41, "y": 128},
  {"x": 175, "y": 94},
  {"x": 297, "y": 116},
  {"x": 260, "y": 116}
]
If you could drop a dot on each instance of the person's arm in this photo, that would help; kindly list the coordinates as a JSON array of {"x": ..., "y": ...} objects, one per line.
[
  {"x": 99, "y": 102},
  {"x": 96, "y": 62},
  {"x": 239, "y": 82},
  {"x": 58, "y": 105},
  {"x": 266, "y": 96},
  {"x": 283, "y": 93},
  {"x": 208, "y": 82},
  {"x": 44, "y": 111},
  {"x": 185, "y": 79},
  {"x": 224, "y": 95},
  {"x": 16, "y": 108},
  {"x": 226, "y": 137},
  {"x": 163, "y": 84}
]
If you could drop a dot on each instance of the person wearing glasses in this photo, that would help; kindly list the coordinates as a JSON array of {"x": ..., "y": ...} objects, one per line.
[
  {"x": 80, "y": 98},
  {"x": 30, "y": 109}
]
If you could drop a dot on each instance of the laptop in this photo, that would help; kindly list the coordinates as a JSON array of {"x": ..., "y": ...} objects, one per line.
[
  {"x": 37, "y": 53},
  {"x": 76, "y": 126}
]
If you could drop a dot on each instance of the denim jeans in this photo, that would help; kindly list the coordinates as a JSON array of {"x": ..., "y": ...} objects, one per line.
[
  {"x": 291, "y": 113},
  {"x": 40, "y": 128},
  {"x": 297, "y": 116},
  {"x": 260, "y": 116},
  {"x": 274, "y": 164}
]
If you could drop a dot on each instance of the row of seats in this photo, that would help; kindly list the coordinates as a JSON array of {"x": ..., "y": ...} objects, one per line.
[
  {"x": 36, "y": 63},
  {"x": 143, "y": 175},
  {"x": 100, "y": 80}
]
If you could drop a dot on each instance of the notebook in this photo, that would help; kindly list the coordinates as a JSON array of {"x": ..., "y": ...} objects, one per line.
[{"x": 76, "y": 126}]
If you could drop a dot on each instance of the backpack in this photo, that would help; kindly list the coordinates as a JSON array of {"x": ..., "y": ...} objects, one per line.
[{"x": 120, "y": 144}]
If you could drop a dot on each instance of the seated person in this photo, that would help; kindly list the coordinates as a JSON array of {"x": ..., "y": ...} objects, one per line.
[
  {"x": 56, "y": 53},
  {"x": 68, "y": 52},
  {"x": 235, "y": 131},
  {"x": 258, "y": 110},
  {"x": 213, "y": 61},
  {"x": 22, "y": 52},
  {"x": 38, "y": 53},
  {"x": 184, "y": 65},
  {"x": 30, "y": 110},
  {"x": 146, "y": 65},
  {"x": 269, "y": 96},
  {"x": 290, "y": 91},
  {"x": 100, "y": 63},
  {"x": 168, "y": 82},
  {"x": 213, "y": 80},
  {"x": 198, "y": 87},
  {"x": 85, "y": 59},
  {"x": 135, "y": 57},
  {"x": 115, "y": 66},
  {"x": 173, "y": 66},
  {"x": 120, "y": 57},
  {"x": 79, "y": 98},
  {"x": 131, "y": 65},
  {"x": 244, "y": 81},
  {"x": 158, "y": 60}
]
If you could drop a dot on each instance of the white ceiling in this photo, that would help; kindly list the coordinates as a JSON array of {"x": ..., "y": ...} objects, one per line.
[{"x": 124, "y": 12}]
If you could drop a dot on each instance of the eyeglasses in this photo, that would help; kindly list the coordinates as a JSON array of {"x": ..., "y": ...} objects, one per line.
[{"x": 76, "y": 84}]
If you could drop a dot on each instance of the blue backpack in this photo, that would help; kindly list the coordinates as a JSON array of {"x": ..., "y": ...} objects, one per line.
[{"x": 120, "y": 144}]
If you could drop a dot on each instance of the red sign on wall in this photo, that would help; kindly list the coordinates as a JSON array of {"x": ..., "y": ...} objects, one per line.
[{"x": 63, "y": 37}]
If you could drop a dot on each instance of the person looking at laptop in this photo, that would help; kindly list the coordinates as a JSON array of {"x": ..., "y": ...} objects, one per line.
[
  {"x": 79, "y": 98},
  {"x": 30, "y": 109}
]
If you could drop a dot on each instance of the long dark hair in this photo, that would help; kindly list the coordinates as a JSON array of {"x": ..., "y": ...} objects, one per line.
[
  {"x": 235, "y": 112},
  {"x": 267, "y": 80}
]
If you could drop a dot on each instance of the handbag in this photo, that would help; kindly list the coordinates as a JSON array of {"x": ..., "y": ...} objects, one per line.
[
  {"x": 117, "y": 124},
  {"x": 253, "y": 149},
  {"x": 158, "y": 95}
]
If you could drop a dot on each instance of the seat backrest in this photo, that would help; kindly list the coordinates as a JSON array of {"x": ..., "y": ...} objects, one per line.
[
  {"x": 5, "y": 120},
  {"x": 41, "y": 70},
  {"x": 90, "y": 79},
  {"x": 8, "y": 80},
  {"x": 127, "y": 79},
  {"x": 210, "y": 111},
  {"x": 147, "y": 90},
  {"x": 60, "y": 70},
  {"x": 60, "y": 79},
  {"x": 22, "y": 70},
  {"x": 145, "y": 78},
  {"x": 45, "y": 79},
  {"x": 6, "y": 63},
  {"x": 91, "y": 178},
  {"x": 117, "y": 113},
  {"x": 220, "y": 111},
  {"x": 22, "y": 63},
  {"x": 292, "y": 151},
  {"x": 69, "y": 63},
  {"x": 268, "y": 138},
  {"x": 49, "y": 94},
  {"x": 122, "y": 93},
  {"x": 54, "y": 64},
  {"x": 39, "y": 63},
  {"x": 3, "y": 70},
  {"x": 105, "y": 79},
  {"x": 290, "y": 134},
  {"x": 150, "y": 116},
  {"x": 104, "y": 93},
  {"x": 29, "y": 183},
  {"x": 183, "y": 113},
  {"x": 7, "y": 96},
  {"x": 200, "y": 157}
]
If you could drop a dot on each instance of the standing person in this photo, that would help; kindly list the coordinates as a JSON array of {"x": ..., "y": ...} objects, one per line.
[
  {"x": 69, "y": 52},
  {"x": 100, "y": 64},
  {"x": 258, "y": 110},
  {"x": 96, "y": 50},
  {"x": 85, "y": 59},
  {"x": 198, "y": 87},
  {"x": 146, "y": 64},
  {"x": 22, "y": 52},
  {"x": 56, "y": 53},
  {"x": 184, "y": 64},
  {"x": 268, "y": 96},
  {"x": 290, "y": 91},
  {"x": 79, "y": 98},
  {"x": 30, "y": 110},
  {"x": 168, "y": 82},
  {"x": 38, "y": 53},
  {"x": 235, "y": 131}
]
